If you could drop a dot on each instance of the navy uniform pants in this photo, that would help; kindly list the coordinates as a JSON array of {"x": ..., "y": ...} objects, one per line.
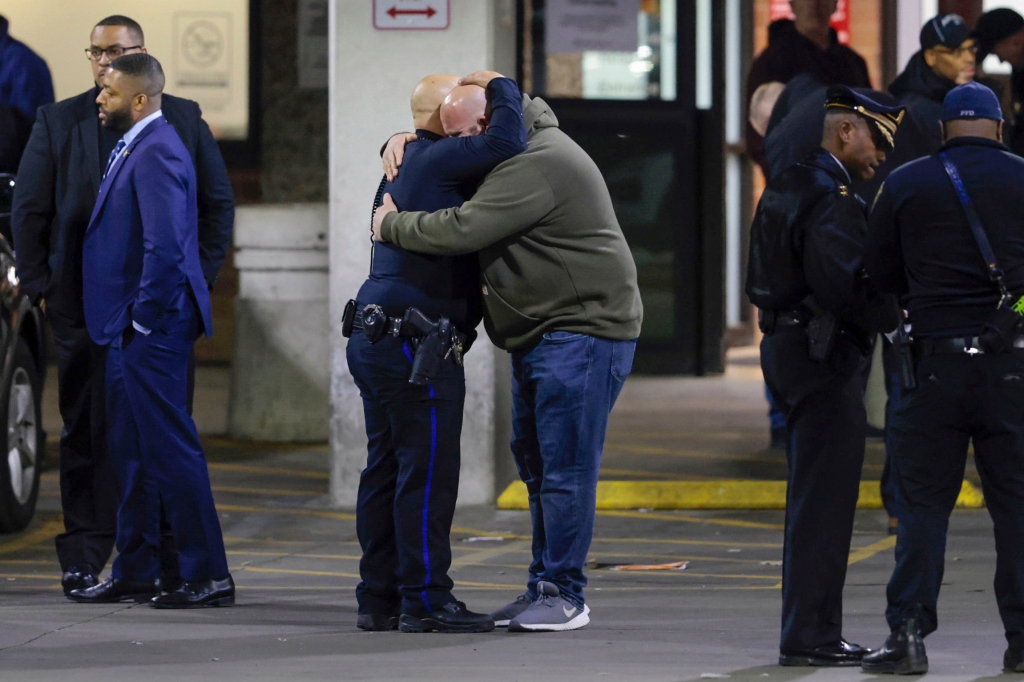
[
  {"x": 824, "y": 407},
  {"x": 156, "y": 453},
  {"x": 959, "y": 398},
  {"x": 408, "y": 490}
]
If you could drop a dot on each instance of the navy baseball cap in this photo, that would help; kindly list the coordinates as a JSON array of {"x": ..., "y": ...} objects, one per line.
[
  {"x": 948, "y": 30},
  {"x": 884, "y": 118},
  {"x": 971, "y": 100}
]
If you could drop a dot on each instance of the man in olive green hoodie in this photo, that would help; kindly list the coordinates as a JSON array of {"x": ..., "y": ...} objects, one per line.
[{"x": 560, "y": 294}]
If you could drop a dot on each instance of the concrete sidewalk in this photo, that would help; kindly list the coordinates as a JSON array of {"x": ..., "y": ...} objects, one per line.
[{"x": 296, "y": 565}]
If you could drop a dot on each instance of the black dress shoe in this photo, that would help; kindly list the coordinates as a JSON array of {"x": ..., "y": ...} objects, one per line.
[
  {"x": 376, "y": 622},
  {"x": 78, "y": 577},
  {"x": 113, "y": 590},
  {"x": 902, "y": 654},
  {"x": 170, "y": 583},
  {"x": 194, "y": 594},
  {"x": 1013, "y": 661},
  {"x": 830, "y": 655},
  {"x": 452, "y": 617}
]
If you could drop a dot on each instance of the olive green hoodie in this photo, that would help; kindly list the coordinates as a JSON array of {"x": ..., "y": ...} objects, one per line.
[{"x": 552, "y": 254}]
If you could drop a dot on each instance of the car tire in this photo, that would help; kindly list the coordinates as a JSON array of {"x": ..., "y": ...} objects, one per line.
[{"x": 21, "y": 458}]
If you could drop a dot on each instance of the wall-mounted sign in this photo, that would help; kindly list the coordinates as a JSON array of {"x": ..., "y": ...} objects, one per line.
[
  {"x": 202, "y": 58},
  {"x": 203, "y": 46},
  {"x": 313, "y": 44},
  {"x": 591, "y": 25},
  {"x": 411, "y": 15}
]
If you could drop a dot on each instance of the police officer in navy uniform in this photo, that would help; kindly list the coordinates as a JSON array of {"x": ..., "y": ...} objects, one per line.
[
  {"x": 819, "y": 315},
  {"x": 929, "y": 246},
  {"x": 408, "y": 490}
]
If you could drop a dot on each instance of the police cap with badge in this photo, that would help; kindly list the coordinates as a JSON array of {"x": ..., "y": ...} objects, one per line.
[{"x": 883, "y": 120}]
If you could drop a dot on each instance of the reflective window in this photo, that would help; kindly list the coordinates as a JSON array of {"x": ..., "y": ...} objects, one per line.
[
  {"x": 600, "y": 49},
  {"x": 639, "y": 168}
]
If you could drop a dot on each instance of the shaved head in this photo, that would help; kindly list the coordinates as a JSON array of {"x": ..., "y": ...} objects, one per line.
[
  {"x": 427, "y": 97},
  {"x": 762, "y": 103},
  {"x": 464, "y": 111}
]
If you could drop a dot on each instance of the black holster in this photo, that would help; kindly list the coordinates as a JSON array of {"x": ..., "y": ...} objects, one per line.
[{"x": 821, "y": 331}]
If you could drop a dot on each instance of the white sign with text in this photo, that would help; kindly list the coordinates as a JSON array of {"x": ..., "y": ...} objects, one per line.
[{"x": 411, "y": 15}]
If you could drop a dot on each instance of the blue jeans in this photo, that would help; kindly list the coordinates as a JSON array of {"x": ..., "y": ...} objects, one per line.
[{"x": 562, "y": 392}]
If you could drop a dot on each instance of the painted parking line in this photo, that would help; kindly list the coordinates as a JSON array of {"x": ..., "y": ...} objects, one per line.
[
  {"x": 692, "y": 519},
  {"x": 45, "y": 533},
  {"x": 272, "y": 492},
  {"x": 269, "y": 471}
]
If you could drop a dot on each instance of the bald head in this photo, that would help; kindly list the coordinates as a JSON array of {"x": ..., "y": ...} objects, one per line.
[
  {"x": 427, "y": 98},
  {"x": 762, "y": 103},
  {"x": 464, "y": 112}
]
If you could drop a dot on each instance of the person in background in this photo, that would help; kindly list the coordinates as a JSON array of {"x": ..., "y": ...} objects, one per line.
[
  {"x": 1001, "y": 32},
  {"x": 25, "y": 85},
  {"x": 58, "y": 180},
  {"x": 804, "y": 44},
  {"x": 946, "y": 59}
]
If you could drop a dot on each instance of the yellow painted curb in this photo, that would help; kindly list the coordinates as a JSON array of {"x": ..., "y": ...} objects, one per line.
[{"x": 726, "y": 494}]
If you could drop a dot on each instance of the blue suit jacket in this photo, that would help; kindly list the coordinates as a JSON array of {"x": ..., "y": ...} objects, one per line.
[{"x": 140, "y": 258}]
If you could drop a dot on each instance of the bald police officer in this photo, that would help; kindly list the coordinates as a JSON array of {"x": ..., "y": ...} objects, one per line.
[
  {"x": 819, "y": 316},
  {"x": 947, "y": 235}
]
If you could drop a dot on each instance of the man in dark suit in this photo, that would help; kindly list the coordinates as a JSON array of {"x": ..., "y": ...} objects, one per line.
[
  {"x": 59, "y": 179},
  {"x": 146, "y": 298}
]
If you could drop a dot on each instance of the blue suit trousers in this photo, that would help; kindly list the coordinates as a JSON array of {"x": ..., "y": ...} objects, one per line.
[{"x": 156, "y": 453}]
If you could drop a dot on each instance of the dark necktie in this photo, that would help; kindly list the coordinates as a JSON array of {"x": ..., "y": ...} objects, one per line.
[{"x": 121, "y": 144}]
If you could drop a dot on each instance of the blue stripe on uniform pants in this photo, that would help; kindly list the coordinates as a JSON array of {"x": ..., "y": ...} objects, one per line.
[
  {"x": 426, "y": 498},
  {"x": 407, "y": 491}
]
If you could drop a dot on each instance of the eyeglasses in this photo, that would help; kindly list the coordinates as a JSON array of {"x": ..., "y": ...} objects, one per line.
[
  {"x": 94, "y": 54},
  {"x": 958, "y": 52}
]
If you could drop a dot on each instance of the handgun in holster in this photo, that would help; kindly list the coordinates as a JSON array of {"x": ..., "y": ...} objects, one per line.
[
  {"x": 904, "y": 346},
  {"x": 821, "y": 331},
  {"x": 437, "y": 341}
]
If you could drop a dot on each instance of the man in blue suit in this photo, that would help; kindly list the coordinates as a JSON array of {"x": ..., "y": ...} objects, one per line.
[{"x": 147, "y": 300}]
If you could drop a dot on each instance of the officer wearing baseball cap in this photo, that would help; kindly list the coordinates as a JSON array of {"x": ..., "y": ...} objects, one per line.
[
  {"x": 946, "y": 234},
  {"x": 819, "y": 316},
  {"x": 946, "y": 59}
]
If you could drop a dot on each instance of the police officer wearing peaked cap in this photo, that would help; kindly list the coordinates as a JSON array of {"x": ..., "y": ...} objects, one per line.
[
  {"x": 819, "y": 315},
  {"x": 947, "y": 235}
]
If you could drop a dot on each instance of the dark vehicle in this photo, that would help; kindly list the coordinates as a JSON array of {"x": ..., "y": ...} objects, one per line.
[{"x": 22, "y": 369}]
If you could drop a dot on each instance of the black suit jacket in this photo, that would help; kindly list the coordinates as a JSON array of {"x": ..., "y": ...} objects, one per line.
[{"x": 59, "y": 179}]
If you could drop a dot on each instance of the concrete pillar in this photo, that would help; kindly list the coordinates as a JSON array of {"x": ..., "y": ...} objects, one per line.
[
  {"x": 279, "y": 375},
  {"x": 372, "y": 75}
]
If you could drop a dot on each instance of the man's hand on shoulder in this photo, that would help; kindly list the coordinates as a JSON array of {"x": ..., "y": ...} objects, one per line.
[
  {"x": 378, "y": 216},
  {"x": 394, "y": 152},
  {"x": 481, "y": 78}
]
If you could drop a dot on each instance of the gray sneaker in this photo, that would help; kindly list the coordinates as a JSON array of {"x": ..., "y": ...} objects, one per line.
[
  {"x": 550, "y": 613},
  {"x": 502, "y": 616}
]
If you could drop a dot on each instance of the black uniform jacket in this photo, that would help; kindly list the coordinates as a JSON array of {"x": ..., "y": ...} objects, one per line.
[
  {"x": 790, "y": 53},
  {"x": 59, "y": 179},
  {"x": 920, "y": 245},
  {"x": 808, "y": 238}
]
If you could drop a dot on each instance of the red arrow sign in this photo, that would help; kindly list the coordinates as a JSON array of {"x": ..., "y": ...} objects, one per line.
[{"x": 429, "y": 12}]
